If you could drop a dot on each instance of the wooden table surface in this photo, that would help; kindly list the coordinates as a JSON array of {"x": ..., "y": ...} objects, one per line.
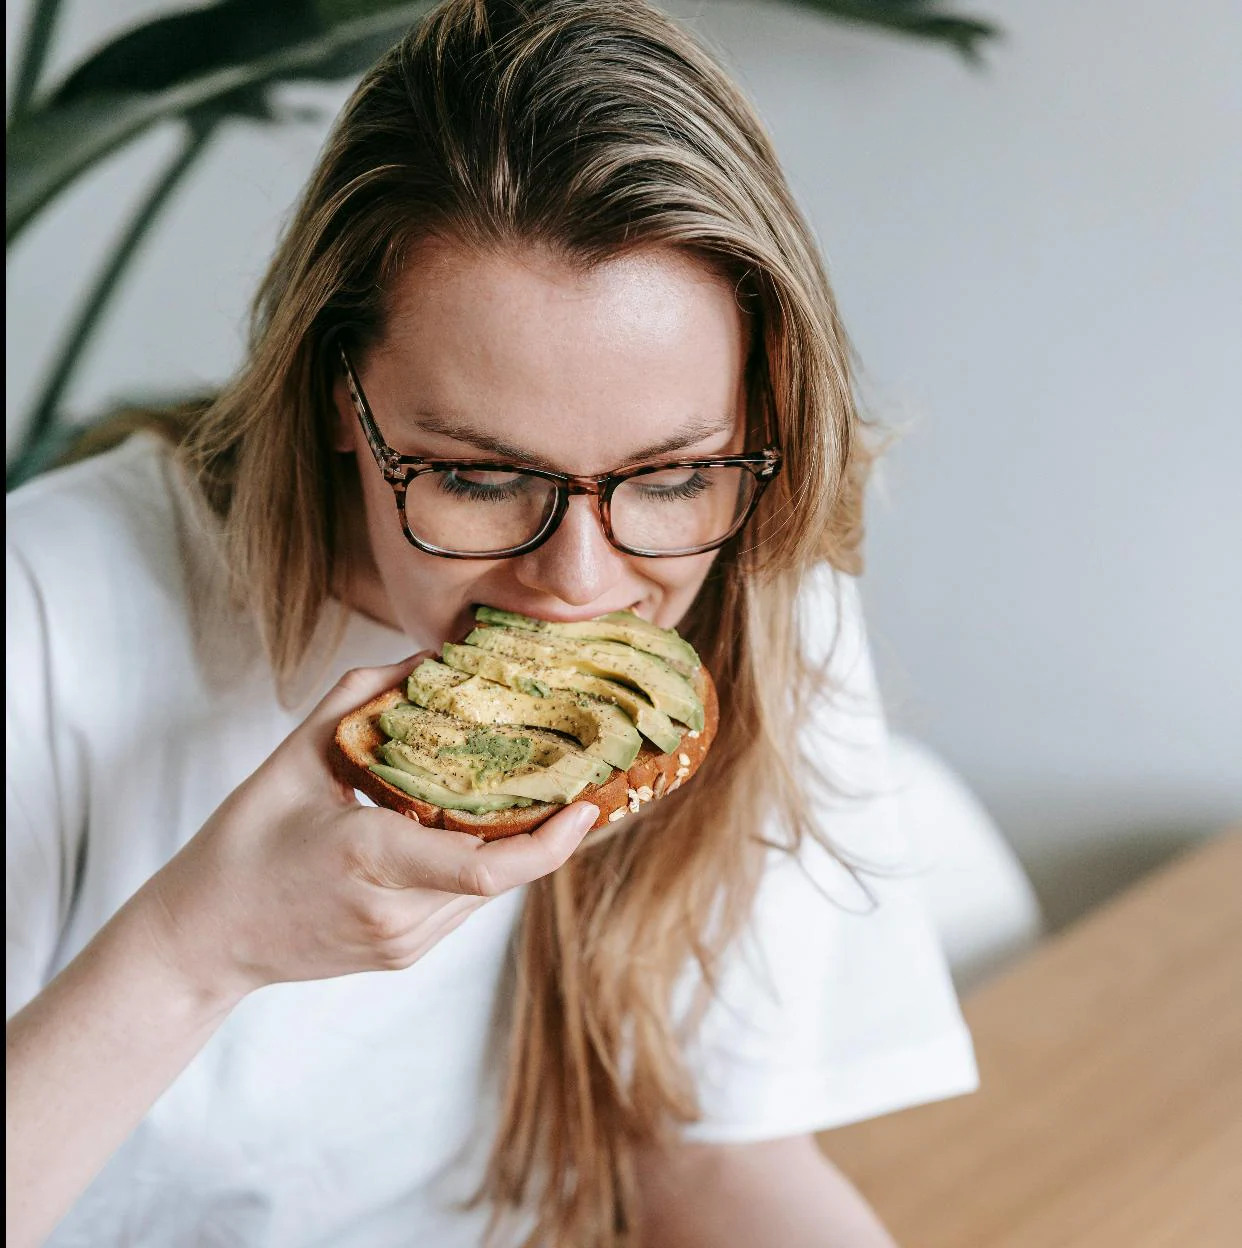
[{"x": 1110, "y": 1111}]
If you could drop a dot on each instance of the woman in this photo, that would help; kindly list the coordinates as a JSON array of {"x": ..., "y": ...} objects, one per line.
[{"x": 551, "y": 233}]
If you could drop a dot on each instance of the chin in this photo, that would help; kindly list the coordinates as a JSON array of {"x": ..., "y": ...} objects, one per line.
[{"x": 461, "y": 623}]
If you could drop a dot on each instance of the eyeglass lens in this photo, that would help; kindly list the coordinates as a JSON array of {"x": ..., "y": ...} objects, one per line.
[{"x": 476, "y": 511}]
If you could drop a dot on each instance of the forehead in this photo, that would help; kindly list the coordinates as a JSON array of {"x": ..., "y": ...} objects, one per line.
[{"x": 569, "y": 362}]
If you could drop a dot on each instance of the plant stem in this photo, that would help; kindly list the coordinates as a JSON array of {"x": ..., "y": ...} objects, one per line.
[
  {"x": 35, "y": 46},
  {"x": 40, "y": 440}
]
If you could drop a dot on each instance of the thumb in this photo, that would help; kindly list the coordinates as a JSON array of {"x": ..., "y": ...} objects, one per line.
[{"x": 354, "y": 689}]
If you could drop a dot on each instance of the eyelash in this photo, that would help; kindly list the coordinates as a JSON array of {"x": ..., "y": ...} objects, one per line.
[
  {"x": 687, "y": 490},
  {"x": 453, "y": 485}
]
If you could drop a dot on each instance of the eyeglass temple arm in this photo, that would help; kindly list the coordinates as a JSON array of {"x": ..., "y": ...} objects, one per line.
[{"x": 385, "y": 456}]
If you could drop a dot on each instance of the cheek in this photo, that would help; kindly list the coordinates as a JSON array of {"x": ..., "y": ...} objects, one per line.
[
  {"x": 410, "y": 574},
  {"x": 678, "y": 582},
  {"x": 426, "y": 595},
  {"x": 383, "y": 522}
]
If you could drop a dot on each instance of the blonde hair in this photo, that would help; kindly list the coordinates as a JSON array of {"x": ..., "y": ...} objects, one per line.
[{"x": 590, "y": 127}]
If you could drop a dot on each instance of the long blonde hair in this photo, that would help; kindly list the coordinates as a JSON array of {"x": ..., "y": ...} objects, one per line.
[{"x": 590, "y": 127}]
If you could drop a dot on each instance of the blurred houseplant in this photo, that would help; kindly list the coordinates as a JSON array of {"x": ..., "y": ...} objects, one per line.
[{"x": 206, "y": 66}]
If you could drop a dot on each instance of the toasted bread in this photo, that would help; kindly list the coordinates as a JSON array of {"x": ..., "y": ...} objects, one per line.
[{"x": 358, "y": 738}]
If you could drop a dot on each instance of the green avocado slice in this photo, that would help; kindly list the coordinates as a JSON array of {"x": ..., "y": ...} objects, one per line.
[
  {"x": 623, "y": 626},
  {"x": 553, "y": 783},
  {"x": 487, "y": 760},
  {"x": 602, "y": 729},
  {"x": 668, "y": 690},
  {"x": 653, "y": 724},
  {"x": 428, "y": 791}
]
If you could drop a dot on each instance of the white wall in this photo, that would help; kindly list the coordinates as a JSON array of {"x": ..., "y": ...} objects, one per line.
[{"x": 1041, "y": 269}]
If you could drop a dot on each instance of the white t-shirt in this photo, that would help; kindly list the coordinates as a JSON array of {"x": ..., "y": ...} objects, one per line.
[{"x": 352, "y": 1112}]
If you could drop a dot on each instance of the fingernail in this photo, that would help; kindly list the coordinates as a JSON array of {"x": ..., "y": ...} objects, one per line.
[{"x": 586, "y": 817}]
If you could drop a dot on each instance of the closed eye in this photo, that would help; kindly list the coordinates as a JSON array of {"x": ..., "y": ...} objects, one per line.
[
  {"x": 673, "y": 485},
  {"x": 698, "y": 439},
  {"x": 483, "y": 485}
]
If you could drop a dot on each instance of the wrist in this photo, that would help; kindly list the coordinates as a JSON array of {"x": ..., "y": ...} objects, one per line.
[{"x": 184, "y": 964}]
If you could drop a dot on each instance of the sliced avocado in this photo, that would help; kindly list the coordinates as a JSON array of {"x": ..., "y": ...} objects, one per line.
[
  {"x": 435, "y": 731},
  {"x": 602, "y": 728},
  {"x": 428, "y": 791},
  {"x": 668, "y": 690},
  {"x": 559, "y": 782},
  {"x": 487, "y": 759},
  {"x": 430, "y": 672},
  {"x": 622, "y": 626},
  {"x": 653, "y": 724}
]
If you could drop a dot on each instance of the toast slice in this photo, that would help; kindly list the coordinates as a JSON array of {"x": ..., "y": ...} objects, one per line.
[{"x": 652, "y": 774}]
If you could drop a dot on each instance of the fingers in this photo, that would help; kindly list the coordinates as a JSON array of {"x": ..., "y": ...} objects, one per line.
[
  {"x": 411, "y": 856},
  {"x": 451, "y": 915},
  {"x": 423, "y": 935},
  {"x": 360, "y": 685},
  {"x": 497, "y": 866}
]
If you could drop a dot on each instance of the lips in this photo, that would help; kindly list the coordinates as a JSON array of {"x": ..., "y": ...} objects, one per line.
[{"x": 561, "y": 615}]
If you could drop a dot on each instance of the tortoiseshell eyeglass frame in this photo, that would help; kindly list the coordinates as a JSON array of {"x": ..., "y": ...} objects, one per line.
[{"x": 399, "y": 470}]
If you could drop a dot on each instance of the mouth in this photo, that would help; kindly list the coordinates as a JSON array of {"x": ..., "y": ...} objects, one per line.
[{"x": 556, "y": 615}]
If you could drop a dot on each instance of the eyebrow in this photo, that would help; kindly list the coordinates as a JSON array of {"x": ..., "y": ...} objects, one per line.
[{"x": 462, "y": 432}]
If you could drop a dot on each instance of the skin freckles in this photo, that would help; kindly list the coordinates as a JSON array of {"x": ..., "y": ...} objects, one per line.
[{"x": 582, "y": 372}]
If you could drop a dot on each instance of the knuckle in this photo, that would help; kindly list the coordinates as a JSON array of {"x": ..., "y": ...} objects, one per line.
[
  {"x": 383, "y": 926},
  {"x": 357, "y": 859},
  {"x": 397, "y": 959},
  {"x": 548, "y": 862},
  {"x": 356, "y": 680},
  {"x": 476, "y": 879}
]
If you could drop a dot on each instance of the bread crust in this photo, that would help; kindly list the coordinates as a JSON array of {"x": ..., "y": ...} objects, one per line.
[{"x": 358, "y": 737}]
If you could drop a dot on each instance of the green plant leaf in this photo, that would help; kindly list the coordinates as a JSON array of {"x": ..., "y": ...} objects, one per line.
[
  {"x": 118, "y": 93},
  {"x": 177, "y": 46},
  {"x": 43, "y": 436},
  {"x": 218, "y": 61},
  {"x": 36, "y": 43},
  {"x": 919, "y": 18}
]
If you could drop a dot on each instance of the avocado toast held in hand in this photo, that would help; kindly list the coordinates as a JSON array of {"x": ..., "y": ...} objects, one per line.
[{"x": 527, "y": 715}]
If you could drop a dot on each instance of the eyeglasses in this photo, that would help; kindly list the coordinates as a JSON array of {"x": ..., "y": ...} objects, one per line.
[{"x": 475, "y": 509}]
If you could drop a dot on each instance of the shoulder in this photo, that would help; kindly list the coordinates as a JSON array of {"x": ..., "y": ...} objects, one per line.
[
  {"x": 123, "y": 531},
  {"x": 830, "y": 619},
  {"x": 835, "y": 1002},
  {"x": 120, "y": 501},
  {"x": 111, "y": 563},
  {"x": 843, "y": 732}
]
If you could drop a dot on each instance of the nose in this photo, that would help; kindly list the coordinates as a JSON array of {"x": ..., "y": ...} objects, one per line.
[{"x": 577, "y": 564}]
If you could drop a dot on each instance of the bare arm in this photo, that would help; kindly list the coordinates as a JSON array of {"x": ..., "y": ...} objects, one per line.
[
  {"x": 86, "y": 1059},
  {"x": 289, "y": 880},
  {"x": 739, "y": 1195}
]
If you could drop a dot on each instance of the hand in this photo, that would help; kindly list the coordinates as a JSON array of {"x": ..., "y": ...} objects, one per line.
[{"x": 292, "y": 879}]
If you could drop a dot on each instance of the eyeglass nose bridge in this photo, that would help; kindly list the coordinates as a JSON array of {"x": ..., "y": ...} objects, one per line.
[
  {"x": 585, "y": 485},
  {"x": 568, "y": 487}
]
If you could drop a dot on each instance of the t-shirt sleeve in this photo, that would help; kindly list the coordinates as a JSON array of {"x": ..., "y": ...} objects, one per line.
[
  {"x": 42, "y": 799},
  {"x": 836, "y": 1004}
]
